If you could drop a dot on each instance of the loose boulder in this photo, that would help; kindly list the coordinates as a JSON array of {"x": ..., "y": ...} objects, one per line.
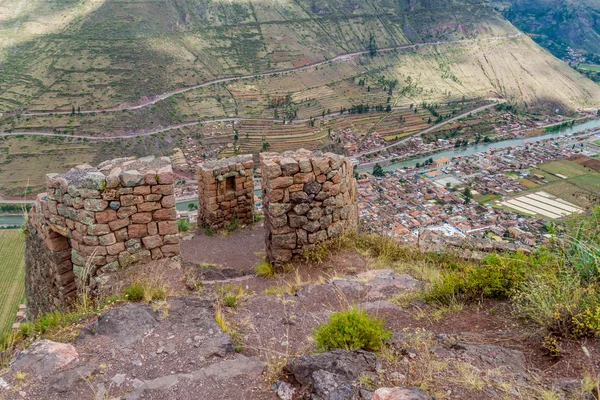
[{"x": 44, "y": 357}]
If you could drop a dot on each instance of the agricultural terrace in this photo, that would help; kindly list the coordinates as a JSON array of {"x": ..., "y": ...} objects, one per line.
[{"x": 12, "y": 276}]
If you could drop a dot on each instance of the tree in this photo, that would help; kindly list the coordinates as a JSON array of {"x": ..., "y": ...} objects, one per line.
[
  {"x": 78, "y": 110},
  {"x": 388, "y": 108},
  {"x": 468, "y": 195},
  {"x": 378, "y": 170},
  {"x": 73, "y": 110},
  {"x": 192, "y": 206},
  {"x": 372, "y": 45}
]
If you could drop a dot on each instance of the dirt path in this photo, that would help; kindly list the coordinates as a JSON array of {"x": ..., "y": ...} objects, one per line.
[{"x": 241, "y": 250}]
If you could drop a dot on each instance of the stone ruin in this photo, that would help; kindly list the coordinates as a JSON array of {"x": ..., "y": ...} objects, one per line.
[
  {"x": 226, "y": 191},
  {"x": 307, "y": 198},
  {"x": 93, "y": 222}
]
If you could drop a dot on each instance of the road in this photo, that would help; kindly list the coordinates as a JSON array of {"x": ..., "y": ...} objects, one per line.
[
  {"x": 341, "y": 57},
  {"x": 175, "y": 126},
  {"x": 431, "y": 128}
]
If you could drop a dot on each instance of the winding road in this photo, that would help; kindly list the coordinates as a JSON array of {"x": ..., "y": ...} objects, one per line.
[
  {"x": 431, "y": 128},
  {"x": 341, "y": 57}
]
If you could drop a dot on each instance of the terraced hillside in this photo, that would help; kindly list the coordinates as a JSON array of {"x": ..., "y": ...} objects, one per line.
[{"x": 95, "y": 54}]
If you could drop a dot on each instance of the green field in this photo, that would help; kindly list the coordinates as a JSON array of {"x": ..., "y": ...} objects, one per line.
[
  {"x": 582, "y": 187},
  {"x": 564, "y": 167},
  {"x": 12, "y": 276},
  {"x": 590, "y": 67}
]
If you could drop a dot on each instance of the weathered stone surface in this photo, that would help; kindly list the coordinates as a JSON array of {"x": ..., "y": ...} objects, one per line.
[
  {"x": 44, "y": 357},
  {"x": 289, "y": 166},
  {"x": 399, "y": 393},
  {"x": 332, "y": 374},
  {"x": 131, "y": 178},
  {"x": 127, "y": 324}
]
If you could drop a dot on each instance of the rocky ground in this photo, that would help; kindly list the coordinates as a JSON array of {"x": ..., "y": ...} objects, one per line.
[{"x": 201, "y": 344}]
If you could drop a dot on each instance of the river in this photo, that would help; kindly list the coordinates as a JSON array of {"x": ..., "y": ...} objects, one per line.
[
  {"x": 481, "y": 147},
  {"x": 181, "y": 206}
]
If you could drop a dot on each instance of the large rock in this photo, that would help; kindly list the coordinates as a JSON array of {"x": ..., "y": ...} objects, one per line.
[
  {"x": 331, "y": 375},
  {"x": 44, "y": 357},
  {"x": 399, "y": 393},
  {"x": 127, "y": 324}
]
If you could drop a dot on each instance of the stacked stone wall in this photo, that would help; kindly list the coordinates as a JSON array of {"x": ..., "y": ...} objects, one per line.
[
  {"x": 95, "y": 221},
  {"x": 226, "y": 192},
  {"x": 307, "y": 198},
  {"x": 50, "y": 281}
]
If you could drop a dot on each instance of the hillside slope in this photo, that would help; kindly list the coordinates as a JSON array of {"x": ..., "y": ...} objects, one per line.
[
  {"x": 98, "y": 54},
  {"x": 560, "y": 24}
]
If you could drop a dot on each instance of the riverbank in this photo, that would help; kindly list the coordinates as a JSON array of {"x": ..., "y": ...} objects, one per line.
[{"x": 450, "y": 152}]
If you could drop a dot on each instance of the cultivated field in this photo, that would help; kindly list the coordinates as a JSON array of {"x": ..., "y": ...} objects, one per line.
[
  {"x": 12, "y": 276},
  {"x": 582, "y": 186}
]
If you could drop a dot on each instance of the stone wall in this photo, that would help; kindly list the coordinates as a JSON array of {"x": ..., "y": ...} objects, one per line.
[
  {"x": 307, "y": 198},
  {"x": 95, "y": 221},
  {"x": 226, "y": 191}
]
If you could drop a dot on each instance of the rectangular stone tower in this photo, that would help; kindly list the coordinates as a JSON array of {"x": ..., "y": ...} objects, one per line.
[
  {"x": 95, "y": 221},
  {"x": 307, "y": 198},
  {"x": 226, "y": 191}
]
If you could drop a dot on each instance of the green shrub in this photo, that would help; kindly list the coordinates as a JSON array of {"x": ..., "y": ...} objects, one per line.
[
  {"x": 183, "y": 225},
  {"x": 230, "y": 300},
  {"x": 265, "y": 269},
  {"x": 135, "y": 292},
  {"x": 351, "y": 330},
  {"x": 208, "y": 231},
  {"x": 560, "y": 303},
  {"x": 496, "y": 276}
]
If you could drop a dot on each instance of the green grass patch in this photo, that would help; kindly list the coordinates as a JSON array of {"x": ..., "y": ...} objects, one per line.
[
  {"x": 351, "y": 330},
  {"x": 12, "y": 276}
]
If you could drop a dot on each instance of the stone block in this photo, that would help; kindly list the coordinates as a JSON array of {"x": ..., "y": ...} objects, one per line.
[
  {"x": 131, "y": 200},
  {"x": 115, "y": 249},
  {"x": 165, "y": 214},
  {"x": 98, "y": 229},
  {"x": 162, "y": 189},
  {"x": 95, "y": 204},
  {"x": 126, "y": 212},
  {"x": 151, "y": 242},
  {"x": 284, "y": 241},
  {"x": 152, "y": 228},
  {"x": 108, "y": 239},
  {"x": 288, "y": 166},
  {"x": 118, "y": 224},
  {"x": 143, "y": 190},
  {"x": 131, "y": 178},
  {"x": 168, "y": 201},
  {"x": 167, "y": 228},
  {"x": 281, "y": 182},
  {"x": 170, "y": 250},
  {"x": 137, "y": 230},
  {"x": 104, "y": 217},
  {"x": 141, "y": 218}
]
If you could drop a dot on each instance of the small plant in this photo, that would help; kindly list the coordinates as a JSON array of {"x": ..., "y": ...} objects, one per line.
[
  {"x": 183, "y": 225},
  {"x": 135, "y": 292},
  {"x": 208, "y": 231},
  {"x": 265, "y": 269},
  {"x": 551, "y": 344},
  {"x": 234, "y": 223},
  {"x": 221, "y": 320},
  {"x": 351, "y": 330},
  {"x": 20, "y": 375}
]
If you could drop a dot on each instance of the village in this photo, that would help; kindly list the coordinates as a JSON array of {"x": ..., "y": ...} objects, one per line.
[{"x": 440, "y": 196}]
